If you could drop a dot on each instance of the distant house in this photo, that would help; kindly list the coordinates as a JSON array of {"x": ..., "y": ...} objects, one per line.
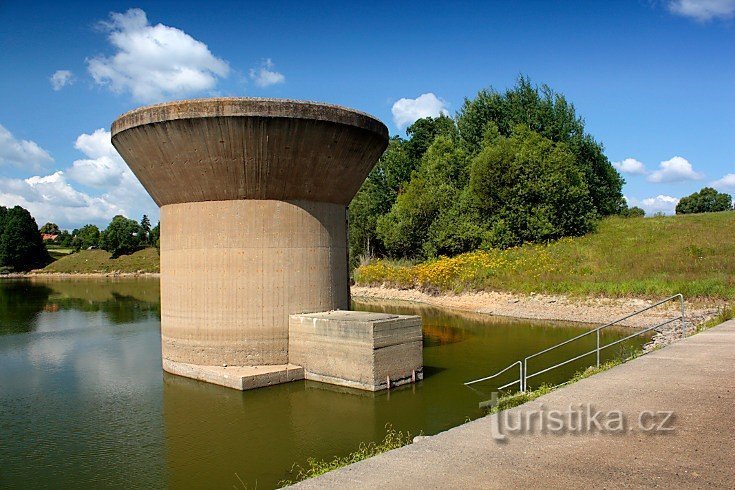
[{"x": 48, "y": 237}]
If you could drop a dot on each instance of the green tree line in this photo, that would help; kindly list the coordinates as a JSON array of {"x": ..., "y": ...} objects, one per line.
[
  {"x": 509, "y": 168},
  {"x": 707, "y": 200},
  {"x": 122, "y": 236},
  {"x": 22, "y": 247}
]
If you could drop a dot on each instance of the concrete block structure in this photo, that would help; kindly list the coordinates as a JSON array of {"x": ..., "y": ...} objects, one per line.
[
  {"x": 368, "y": 351},
  {"x": 253, "y": 196}
]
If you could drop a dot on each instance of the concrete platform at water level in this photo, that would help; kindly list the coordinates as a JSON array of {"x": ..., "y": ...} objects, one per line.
[
  {"x": 237, "y": 377},
  {"x": 694, "y": 379}
]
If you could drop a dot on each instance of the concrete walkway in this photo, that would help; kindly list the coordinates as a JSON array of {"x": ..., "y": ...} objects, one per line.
[{"x": 694, "y": 378}]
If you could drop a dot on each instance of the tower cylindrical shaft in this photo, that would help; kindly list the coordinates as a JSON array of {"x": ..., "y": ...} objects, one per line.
[{"x": 232, "y": 272}]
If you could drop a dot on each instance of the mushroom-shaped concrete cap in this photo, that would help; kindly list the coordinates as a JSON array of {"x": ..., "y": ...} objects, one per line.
[{"x": 244, "y": 148}]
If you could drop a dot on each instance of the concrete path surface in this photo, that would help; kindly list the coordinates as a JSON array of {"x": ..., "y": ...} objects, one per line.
[{"x": 693, "y": 378}]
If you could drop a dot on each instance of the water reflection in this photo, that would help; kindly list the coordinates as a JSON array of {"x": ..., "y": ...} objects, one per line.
[
  {"x": 212, "y": 435},
  {"x": 79, "y": 399},
  {"x": 83, "y": 400},
  {"x": 26, "y": 303},
  {"x": 20, "y": 302}
]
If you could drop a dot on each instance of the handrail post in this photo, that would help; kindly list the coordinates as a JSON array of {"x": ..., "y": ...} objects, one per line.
[
  {"x": 525, "y": 375},
  {"x": 683, "y": 325},
  {"x": 520, "y": 376},
  {"x": 598, "y": 347}
]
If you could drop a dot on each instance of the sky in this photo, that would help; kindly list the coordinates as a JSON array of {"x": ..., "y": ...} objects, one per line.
[{"x": 653, "y": 80}]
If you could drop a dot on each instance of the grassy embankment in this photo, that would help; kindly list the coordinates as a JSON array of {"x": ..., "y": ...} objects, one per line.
[
  {"x": 58, "y": 252},
  {"x": 393, "y": 440},
  {"x": 691, "y": 254},
  {"x": 95, "y": 261}
]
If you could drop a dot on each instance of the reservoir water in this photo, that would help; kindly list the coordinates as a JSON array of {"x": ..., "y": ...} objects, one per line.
[{"x": 84, "y": 402}]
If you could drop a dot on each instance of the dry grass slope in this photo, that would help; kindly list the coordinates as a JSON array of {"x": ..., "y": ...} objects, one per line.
[
  {"x": 91, "y": 261},
  {"x": 654, "y": 257}
]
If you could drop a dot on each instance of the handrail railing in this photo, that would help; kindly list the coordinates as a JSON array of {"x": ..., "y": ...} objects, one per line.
[
  {"x": 519, "y": 380},
  {"x": 523, "y": 368}
]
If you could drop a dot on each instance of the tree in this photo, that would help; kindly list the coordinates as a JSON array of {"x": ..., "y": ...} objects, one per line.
[
  {"x": 85, "y": 237},
  {"x": 21, "y": 247},
  {"x": 155, "y": 236},
  {"x": 527, "y": 188},
  {"x": 549, "y": 114},
  {"x": 405, "y": 229},
  {"x": 122, "y": 236},
  {"x": 145, "y": 225},
  {"x": 376, "y": 197},
  {"x": 707, "y": 200},
  {"x": 435, "y": 186},
  {"x": 51, "y": 229},
  {"x": 511, "y": 167},
  {"x": 424, "y": 131},
  {"x": 634, "y": 212},
  {"x": 64, "y": 239}
]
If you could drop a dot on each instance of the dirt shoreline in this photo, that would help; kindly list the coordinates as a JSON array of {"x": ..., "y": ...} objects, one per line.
[
  {"x": 544, "y": 307},
  {"x": 547, "y": 307},
  {"x": 591, "y": 310},
  {"x": 76, "y": 275}
]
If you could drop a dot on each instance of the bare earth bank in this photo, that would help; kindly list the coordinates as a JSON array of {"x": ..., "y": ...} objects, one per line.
[
  {"x": 547, "y": 307},
  {"x": 41, "y": 274}
]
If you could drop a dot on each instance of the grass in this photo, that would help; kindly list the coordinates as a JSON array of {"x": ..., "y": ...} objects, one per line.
[
  {"x": 508, "y": 401},
  {"x": 643, "y": 257},
  {"x": 91, "y": 261},
  {"x": 725, "y": 314},
  {"x": 57, "y": 252},
  {"x": 393, "y": 440}
]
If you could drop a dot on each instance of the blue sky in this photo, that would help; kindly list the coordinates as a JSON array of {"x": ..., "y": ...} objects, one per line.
[{"x": 654, "y": 80}]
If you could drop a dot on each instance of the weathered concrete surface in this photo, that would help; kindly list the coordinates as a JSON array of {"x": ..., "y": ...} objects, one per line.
[
  {"x": 357, "y": 349},
  {"x": 253, "y": 196},
  {"x": 695, "y": 378},
  {"x": 237, "y": 377},
  {"x": 240, "y": 148},
  {"x": 232, "y": 272}
]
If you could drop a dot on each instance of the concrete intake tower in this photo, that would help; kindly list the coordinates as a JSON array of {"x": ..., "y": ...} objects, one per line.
[{"x": 253, "y": 196}]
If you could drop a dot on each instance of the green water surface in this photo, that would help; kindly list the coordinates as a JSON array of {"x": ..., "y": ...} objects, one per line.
[{"x": 84, "y": 403}]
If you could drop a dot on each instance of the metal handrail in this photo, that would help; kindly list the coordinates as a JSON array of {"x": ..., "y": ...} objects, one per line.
[
  {"x": 519, "y": 380},
  {"x": 523, "y": 370},
  {"x": 597, "y": 350}
]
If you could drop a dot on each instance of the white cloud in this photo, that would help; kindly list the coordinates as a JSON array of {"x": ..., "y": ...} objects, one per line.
[
  {"x": 154, "y": 63},
  {"x": 631, "y": 166},
  {"x": 104, "y": 167},
  {"x": 652, "y": 205},
  {"x": 53, "y": 197},
  {"x": 407, "y": 111},
  {"x": 21, "y": 153},
  {"x": 725, "y": 184},
  {"x": 61, "y": 78},
  {"x": 105, "y": 170},
  {"x": 703, "y": 10},
  {"x": 677, "y": 169},
  {"x": 265, "y": 75}
]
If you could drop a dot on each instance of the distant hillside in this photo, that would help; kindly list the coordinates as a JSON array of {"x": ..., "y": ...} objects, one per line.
[
  {"x": 89, "y": 261},
  {"x": 691, "y": 254}
]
